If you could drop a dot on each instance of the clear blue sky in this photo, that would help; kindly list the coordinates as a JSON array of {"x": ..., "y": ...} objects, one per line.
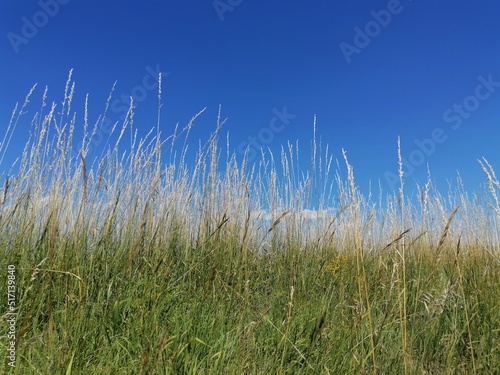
[{"x": 427, "y": 71}]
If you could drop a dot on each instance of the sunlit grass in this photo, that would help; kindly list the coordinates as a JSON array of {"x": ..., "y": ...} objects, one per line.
[{"x": 127, "y": 264}]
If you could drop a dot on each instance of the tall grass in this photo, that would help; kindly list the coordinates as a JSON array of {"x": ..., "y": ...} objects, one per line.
[{"x": 139, "y": 262}]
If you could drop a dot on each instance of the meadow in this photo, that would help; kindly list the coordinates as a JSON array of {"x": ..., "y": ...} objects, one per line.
[{"x": 140, "y": 262}]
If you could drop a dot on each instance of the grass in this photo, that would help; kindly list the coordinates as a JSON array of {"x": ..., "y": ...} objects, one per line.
[{"x": 127, "y": 264}]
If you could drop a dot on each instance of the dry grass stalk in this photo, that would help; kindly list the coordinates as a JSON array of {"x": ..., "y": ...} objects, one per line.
[
  {"x": 445, "y": 231},
  {"x": 396, "y": 240}
]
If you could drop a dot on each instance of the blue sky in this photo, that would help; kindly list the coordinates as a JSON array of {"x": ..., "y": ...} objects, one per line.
[{"x": 370, "y": 71}]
